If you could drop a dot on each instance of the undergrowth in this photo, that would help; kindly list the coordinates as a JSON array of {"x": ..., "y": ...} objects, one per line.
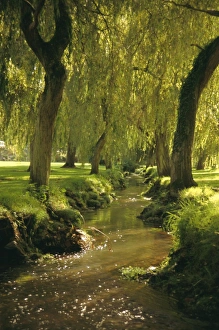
[{"x": 191, "y": 270}]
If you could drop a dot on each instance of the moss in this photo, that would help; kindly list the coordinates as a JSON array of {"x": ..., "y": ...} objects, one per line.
[{"x": 93, "y": 203}]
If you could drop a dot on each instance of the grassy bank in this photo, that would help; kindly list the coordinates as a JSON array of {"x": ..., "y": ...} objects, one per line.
[
  {"x": 48, "y": 219},
  {"x": 190, "y": 272}
]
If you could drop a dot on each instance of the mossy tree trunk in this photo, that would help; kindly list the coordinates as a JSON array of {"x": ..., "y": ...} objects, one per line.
[
  {"x": 181, "y": 162},
  {"x": 49, "y": 54}
]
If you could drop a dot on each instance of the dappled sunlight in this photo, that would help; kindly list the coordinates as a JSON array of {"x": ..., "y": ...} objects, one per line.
[
  {"x": 86, "y": 290},
  {"x": 207, "y": 177}
]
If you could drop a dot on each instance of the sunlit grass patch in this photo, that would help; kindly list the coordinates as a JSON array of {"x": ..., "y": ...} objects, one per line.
[
  {"x": 208, "y": 178},
  {"x": 199, "y": 193}
]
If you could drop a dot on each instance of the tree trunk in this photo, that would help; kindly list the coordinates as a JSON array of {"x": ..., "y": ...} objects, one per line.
[
  {"x": 203, "y": 68},
  {"x": 162, "y": 155},
  {"x": 202, "y": 156},
  {"x": 70, "y": 158},
  {"x": 50, "y": 55},
  {"x": 150, "y": 156},
  {"x": 108, "y": 163},
  {"x": 97, "y": 153},
  {"x": 44, "y": 129}
]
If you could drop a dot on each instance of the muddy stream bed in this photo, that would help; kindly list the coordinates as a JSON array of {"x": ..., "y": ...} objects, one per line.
[{"x": 86, "y": 290}]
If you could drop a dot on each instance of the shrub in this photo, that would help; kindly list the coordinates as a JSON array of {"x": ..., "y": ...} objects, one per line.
[{"x": 192, "y": 267}]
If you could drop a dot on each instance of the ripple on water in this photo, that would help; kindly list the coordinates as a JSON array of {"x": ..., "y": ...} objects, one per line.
[{"x": 85, "y": 291}]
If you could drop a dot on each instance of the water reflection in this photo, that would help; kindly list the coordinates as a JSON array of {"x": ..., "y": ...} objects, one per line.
[{"x": 85, "y": 291}]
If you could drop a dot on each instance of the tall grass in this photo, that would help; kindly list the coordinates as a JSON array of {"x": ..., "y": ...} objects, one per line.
[{"x": 195, "y": 257}]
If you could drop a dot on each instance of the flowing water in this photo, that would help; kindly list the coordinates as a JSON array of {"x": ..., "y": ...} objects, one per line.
[{"x": 86, "y": 290}]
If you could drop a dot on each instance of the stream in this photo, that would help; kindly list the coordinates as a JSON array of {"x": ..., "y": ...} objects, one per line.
[{"x": 86, "y": 290}]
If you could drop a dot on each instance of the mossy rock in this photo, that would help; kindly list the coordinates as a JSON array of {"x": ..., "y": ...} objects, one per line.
[{"x": 57, "y": 237}]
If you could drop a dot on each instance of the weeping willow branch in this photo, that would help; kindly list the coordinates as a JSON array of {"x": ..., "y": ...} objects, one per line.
[{"x": 188, "y": 6}]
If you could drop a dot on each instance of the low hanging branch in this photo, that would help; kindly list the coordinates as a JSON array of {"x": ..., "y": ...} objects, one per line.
[
  {"x": 147, "y": 70},
  {"x": 188, "y": 6}
]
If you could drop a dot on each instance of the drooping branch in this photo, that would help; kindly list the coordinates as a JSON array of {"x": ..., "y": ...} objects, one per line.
[
  {"x": 147, "y": 70},
  {"x": 98, "y": 11},
  {"x": 196, "y": 45},
  {"x": 188, "y": 6}
]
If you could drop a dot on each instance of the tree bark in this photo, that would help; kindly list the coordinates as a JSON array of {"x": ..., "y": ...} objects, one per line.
[
  {"x": 70, "y": 158},
  {"x": 49, "y": 54},
  {"x": 162, "y": 155},
  {"x": 203, "y": 68},
  {"x": 97, "y": 153},
  {"x": 150, "y": 156},
  {"x": 108, "y": 162},
  {"x": 202, "y": 156},
  {"x": 102, "y": 140}
]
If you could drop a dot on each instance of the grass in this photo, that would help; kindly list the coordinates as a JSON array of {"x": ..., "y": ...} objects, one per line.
[
  {"x": 14, "y": 176},
  {"x": 18, "y": 195},
  {"x": 191, "y": 270},
  {"x": 43, "y": 215},
  {"x": 209, "y": 178}
]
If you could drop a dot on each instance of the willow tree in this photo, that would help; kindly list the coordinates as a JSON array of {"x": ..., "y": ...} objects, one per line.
[
  {"x": 49, "y": 53},
  {"x": 191, "y": 90},
  {"x": 157, "y": 65},
  {"x": 203, "y": 68},
  {"x": 20, "y": 78},
  {"x": 206, "y": 141}
]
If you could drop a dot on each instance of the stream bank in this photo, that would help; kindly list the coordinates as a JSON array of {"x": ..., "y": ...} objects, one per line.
[
  {"x": 85, "y": 290},
  {"x": 49, "y": 219},
  {"x": 190, "y": 272}
]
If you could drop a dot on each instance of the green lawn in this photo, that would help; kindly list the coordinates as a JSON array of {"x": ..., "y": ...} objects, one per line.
[
  {"x": 209, "y": 178},
  {"x": 14, "y": 175},
  {"x": 14, "y": 183}
]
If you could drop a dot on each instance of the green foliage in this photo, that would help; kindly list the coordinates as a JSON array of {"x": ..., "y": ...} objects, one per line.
[
  {"x": 39, "y": 192},
  {"x": 196, "y": 219},
  {"x": 23, "y": 203},
  {"x": 115, "y": 177},
  {"x": 192, "y": 267},
  {"x": 151, "y": 172},
  {"x": 70, "y": 215},
  {"x": 199, "y": 194},
  {"x": 129, "y": 166},
  {"x": 132, "y": 273}
]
